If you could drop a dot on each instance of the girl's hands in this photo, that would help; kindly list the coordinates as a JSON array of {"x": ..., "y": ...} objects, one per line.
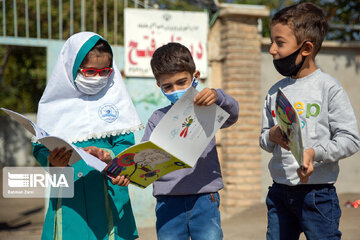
[
  {"x": 59, "y": 157},
  {"x": 276, "y": 136},
  {"x": 121, "y": 181},
  {"x": 99, "y": 153},
  {"x": 106, "y": 157},
  {"x": 206, "y": 97}
]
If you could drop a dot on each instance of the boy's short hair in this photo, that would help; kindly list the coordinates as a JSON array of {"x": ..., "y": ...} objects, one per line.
[
  {"x": 306, "y": 20},
  {"x": 172, "y": 58}
]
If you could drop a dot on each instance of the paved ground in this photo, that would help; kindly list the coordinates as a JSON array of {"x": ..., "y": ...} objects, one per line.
[{"x": 23, "y": 219}]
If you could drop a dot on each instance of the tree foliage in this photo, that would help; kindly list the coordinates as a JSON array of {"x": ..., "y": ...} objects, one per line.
[
  {"x": 342, "y": 16},
  {"x": 23, "y": 79}
]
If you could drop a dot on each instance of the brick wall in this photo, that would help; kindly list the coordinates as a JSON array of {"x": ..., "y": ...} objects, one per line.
[{"x": 235, "y": 51}]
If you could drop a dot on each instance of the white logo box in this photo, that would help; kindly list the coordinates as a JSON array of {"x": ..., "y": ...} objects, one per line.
[{"x": 38, "y": 182}]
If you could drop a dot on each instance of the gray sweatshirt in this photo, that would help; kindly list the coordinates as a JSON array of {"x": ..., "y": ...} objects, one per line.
[
  {"x": 328, "y": 126},
  {"x": 205, "y": 176}
]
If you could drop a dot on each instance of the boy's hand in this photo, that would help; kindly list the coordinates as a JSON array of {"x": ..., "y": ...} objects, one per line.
[
  {"x": 307, "y": 169},
  {"x": 99, "y": 153},
  {"x": 276, "y": 136},
  {"x": 59, "y": 157},
  {"x": 121, "y": 181},
  {"x": 206, "y": 97}
]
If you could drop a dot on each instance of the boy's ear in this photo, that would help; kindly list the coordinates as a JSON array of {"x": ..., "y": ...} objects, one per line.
[
  {"x": 157, "y": 83},
  {"x": 307, "y": 49},
  {"x": 197, "y": 74}
]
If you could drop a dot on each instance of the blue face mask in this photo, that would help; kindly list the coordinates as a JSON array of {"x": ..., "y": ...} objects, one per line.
[{"x": 176, "y": 95}]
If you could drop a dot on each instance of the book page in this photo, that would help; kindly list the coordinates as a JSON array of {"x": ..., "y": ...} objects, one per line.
[
  {"x": 289, "y": 123},
  {"x": 52, "y": 142},
  {"x": 143, "y": 163},
  {"x": 26, "y": 123},
  {"x": 187, "y": 129}
]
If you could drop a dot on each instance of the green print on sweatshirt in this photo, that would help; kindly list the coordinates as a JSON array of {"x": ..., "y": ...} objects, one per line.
[{"x": 312, "y": 109}]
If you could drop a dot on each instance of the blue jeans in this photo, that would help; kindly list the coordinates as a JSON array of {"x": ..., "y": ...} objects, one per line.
[
  {"x": 196, "y": 216},
  {"x": 312, "y": 209}
]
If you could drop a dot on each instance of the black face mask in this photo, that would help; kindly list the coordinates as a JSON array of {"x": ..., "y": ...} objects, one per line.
[{"x": 286, "y": 66}]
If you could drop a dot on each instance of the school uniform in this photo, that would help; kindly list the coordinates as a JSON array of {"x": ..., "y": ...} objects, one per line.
[{"x": 107, "y": 120}]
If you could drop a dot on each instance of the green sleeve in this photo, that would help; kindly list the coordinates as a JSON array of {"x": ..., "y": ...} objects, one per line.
[
  {"x": 122, "y": 142},
  {"x": 41, "y": 154}
]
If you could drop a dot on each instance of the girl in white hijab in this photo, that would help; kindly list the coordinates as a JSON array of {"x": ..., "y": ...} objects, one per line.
[{"x": 86, "y": 103}]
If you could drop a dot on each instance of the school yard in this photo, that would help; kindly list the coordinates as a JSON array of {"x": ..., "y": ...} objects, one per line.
[{"x": 23, "y": 218}]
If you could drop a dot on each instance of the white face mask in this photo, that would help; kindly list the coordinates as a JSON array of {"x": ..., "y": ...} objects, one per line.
[{"x": 90, "y": 85}]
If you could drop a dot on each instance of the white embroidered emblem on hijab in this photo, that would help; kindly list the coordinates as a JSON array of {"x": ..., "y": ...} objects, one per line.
[
  {"x": 66, "y": 112},
  {"x": 108, "y": 113}
]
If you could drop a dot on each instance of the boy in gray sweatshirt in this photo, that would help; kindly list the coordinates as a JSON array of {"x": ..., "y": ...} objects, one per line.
[
  {"x": 188, "y": 199},
  {"x": 304, "y": 199}
]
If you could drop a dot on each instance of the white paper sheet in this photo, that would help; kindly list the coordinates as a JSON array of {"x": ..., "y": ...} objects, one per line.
[
  {"x": 52, "y": 142},
  {"x": 187, "y": 129}
]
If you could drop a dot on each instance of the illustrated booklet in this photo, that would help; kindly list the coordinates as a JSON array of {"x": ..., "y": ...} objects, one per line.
[
  {"x": 176, "y": 142},
  {"x": 289, "y": 123}
]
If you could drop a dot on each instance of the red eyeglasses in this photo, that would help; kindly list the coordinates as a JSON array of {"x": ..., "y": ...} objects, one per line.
[{"x": 92, "y": 72}]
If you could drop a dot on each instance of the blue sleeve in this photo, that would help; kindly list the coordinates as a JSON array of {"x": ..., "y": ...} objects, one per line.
[
  {"x": 148, "y": 129},
  {"x": 122, "y": 142},
  {"x": 41, "y": 154},
  {"x": 230, "y": 105}
]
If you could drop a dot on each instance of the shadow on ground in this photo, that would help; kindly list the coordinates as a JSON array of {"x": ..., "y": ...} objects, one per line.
[{"x": 22, "y": 218}]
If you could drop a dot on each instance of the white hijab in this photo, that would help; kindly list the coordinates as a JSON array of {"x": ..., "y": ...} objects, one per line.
[{"x": 66, "y": 112}]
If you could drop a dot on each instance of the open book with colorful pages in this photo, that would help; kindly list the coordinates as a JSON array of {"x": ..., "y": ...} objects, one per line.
[
  {"x": 176, "y": 142},
  {"x": 290, "y": 125}
]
